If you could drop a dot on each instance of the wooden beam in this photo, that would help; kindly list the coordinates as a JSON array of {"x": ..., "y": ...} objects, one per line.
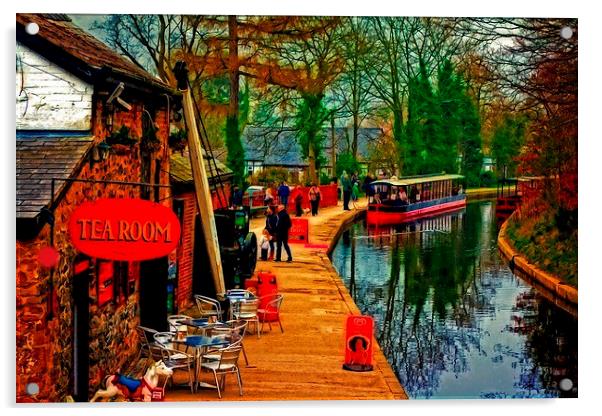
[{"x": 203, "y": 194}]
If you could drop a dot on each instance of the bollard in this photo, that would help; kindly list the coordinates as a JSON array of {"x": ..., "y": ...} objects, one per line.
[{"x": 358, "y": 343}]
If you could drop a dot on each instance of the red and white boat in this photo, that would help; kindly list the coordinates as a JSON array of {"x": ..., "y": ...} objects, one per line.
[{"x": 407, "y": 198}]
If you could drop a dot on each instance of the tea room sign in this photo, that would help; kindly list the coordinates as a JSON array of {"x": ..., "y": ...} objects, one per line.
[{"x": 124, "y": 229}]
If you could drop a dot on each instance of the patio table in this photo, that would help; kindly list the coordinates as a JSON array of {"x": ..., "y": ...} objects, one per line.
[{"x": 200, "y": 343}]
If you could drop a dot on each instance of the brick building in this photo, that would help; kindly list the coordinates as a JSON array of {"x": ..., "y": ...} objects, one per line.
[
  {"x": 190, "y": 272},
  {"x": 83, "y": 112}
]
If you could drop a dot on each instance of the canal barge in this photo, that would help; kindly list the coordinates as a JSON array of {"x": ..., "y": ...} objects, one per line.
[{"x": 393, "y": 201}]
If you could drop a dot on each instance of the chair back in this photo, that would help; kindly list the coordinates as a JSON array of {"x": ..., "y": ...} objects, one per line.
[
  {"x": 164, "y": 338},
  {"x": 172, "y": 320},
  {"x": 274, "y": 304},
  {"x": 145, "y": 334},
  {"x": 157, "y": 352},
  {"x": 208, "y": 306},
  {"x": 229, "y": 356},
  {"x": 234, "y": 330},
  {"x": 247, "y": 307}
]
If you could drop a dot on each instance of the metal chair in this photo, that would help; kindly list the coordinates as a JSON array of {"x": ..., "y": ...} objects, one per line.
[
  {"x": 208, "y": 307},
  {"x": 270, "y": 310},
  {"x": 226, "y": 364},
  {"x": 246, "y": 310},
  {"x": 244, "y": 293},
  {"x": 164, "y": 338},
  {"x": 234, "y": 331},
  {"x": 146, "y": 336},
  {"x": 172, "y": 320},
  {"x": 177, "y": 361}
]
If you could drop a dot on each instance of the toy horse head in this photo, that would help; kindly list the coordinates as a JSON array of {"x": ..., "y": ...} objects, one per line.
[{"x": 159, "y": 368}]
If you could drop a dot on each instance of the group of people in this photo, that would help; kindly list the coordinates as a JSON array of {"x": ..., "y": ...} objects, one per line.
[
  {"x": 275, "y": 233},
  {"x": 278, "y": 221},
  {"x": 284, "y": 192}
]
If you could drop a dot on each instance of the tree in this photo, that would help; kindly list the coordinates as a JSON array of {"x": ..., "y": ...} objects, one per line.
[
  {"x": 538, "y": 66},
  {"x": 421, "y": 134},
  {"x": 450, "y": 91},
  {"x": 506, "y": 144},
  {"x": 352, "y": 91},
  {"x": 304, "y": 55},
  {"x": 408, "y": 51},
  {"x": 470, "y": 142},
  {"x": 346, "y": 162}
]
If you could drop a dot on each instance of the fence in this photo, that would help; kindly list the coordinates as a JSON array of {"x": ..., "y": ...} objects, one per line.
[{"x": 329, "y": 197}]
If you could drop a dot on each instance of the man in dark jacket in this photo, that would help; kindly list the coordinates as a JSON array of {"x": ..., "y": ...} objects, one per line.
[
  {"x": 282, "y": 227},
  {"x": 236, "y": 199},
  {"x": 283, "y": 192},
  {"x": 271, "y": 223},
  {"x": 347, "y": 186}
]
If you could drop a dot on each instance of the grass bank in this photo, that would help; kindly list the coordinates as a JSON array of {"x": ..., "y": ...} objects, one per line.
[{"x": 540, "y": 241}]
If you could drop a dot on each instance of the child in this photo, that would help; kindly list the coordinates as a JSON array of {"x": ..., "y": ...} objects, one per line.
[{"x": 265, "y": 244}]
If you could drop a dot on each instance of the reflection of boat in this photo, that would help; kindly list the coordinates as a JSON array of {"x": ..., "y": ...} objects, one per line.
[{"x": 407, "y": 198}]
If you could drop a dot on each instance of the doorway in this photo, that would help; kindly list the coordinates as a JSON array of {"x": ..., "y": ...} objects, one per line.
[
  {"x": 81, "y": 328},
  {"x": 153, "y": 294}
]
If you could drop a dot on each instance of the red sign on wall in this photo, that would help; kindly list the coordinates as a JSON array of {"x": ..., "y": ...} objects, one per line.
[
  {"x": 124, "y": 229},
  {"x": 358, "y": 343}
]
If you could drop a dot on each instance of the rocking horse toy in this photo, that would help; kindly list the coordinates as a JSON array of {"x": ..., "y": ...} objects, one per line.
[{"x": 134, "y": 389}]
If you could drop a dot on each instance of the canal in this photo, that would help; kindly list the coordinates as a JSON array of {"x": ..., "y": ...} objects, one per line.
[{"x": 451, "y": 318}]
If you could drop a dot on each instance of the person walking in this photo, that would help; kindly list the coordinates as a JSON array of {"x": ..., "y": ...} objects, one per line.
[
  {"x": 271, "y": 222},
  {"x": 283, "y": 192},
  {"x": 282, "y": 227},
  {"x": 236, "y": 198},
  {"x": 314, "y": 198},
  {"x": 347, "y": 187},
  {"x": 269, "y": 197},
  {"x": 355, "y": 192},
  {"x": 367, "y": 188},
  {"x": 298, "y": 204}
]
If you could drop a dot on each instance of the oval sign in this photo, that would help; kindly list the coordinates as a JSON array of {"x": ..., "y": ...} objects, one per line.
[{"x": 124, "y": 229}]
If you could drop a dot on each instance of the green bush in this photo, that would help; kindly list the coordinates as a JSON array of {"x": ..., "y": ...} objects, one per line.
[
  {"x": 346, "y": 162},
  {"x": 487, "y": 179},
  {"x": 267, "y": 176}
]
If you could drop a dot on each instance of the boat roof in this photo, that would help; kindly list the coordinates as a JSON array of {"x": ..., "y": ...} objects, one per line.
[{"x": 412, "y": 180}]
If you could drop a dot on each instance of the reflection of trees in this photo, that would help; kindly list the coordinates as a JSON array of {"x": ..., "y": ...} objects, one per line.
[
  {"x": 429, "y": 293},
  {"x": 551, "y": 350},
  {"x": 439, "y": 286}
]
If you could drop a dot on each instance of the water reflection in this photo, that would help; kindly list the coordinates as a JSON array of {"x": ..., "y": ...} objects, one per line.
[{"x": 451, "y": 318}]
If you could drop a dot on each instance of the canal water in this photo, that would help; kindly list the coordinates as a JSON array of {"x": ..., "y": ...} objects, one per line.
[{"x": 451, "y": 318}]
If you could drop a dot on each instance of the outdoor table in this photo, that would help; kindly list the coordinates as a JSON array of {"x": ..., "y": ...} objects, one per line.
[
  {"x": 200, "y": 343},
  {"x": 201, "y": 324}
]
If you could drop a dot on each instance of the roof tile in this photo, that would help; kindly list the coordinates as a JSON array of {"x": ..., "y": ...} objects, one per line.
[{"x": 38, "y": 159}]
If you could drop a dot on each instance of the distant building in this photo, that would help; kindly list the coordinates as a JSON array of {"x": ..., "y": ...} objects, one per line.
[
  {"x": 366, "y": 140},
  {"x": 488, "y": 164},
  {"x": 265, "y": 148}
]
